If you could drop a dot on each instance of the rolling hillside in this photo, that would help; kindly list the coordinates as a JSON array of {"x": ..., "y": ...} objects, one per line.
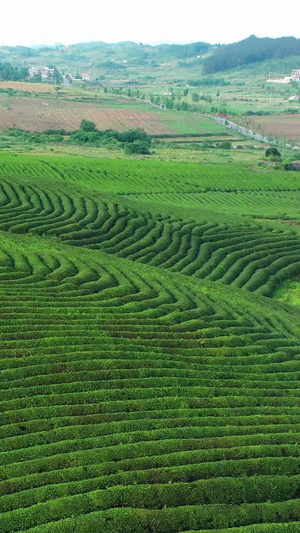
[
  {"x": 149, "y": 379},
  {"x": 120, "y": 60}
]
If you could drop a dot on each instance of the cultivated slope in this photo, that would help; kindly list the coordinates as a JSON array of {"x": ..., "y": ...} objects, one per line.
[{"x": 135, "y": 398}]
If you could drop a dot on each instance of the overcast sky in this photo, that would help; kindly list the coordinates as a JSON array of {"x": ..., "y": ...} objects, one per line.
[{"x": 31, "y": 22}]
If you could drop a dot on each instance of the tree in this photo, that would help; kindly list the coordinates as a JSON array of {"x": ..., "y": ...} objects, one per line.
[
  {"x": 169, "y": 103},
  {"x": 8, "y": 72},
  {"x": 37, "y": 78},
  {"x": 225, "y": 145},
  {"x": 137, "y": 134},
  {"x": 272, "y": 151},
  {"x": 184, "y": 106},
  {"x": 195, "y": 97},
  {"x": 57, "y": 77},
  {"x": 87, "y": 125},
  {"x": 137, "y": 147}
]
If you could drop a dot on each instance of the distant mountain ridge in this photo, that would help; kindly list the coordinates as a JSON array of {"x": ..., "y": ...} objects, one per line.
[
  {"x": 139, "y": 61},
  {"x": 177, "y": 51},
  {"x": 250, "y": 50}
]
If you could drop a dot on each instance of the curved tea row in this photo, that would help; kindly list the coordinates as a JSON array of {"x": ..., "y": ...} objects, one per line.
[
  {"x": 245, "y": 256},
  {"x": 129, "y": 392},
  {"x": 137, "y": 398}
]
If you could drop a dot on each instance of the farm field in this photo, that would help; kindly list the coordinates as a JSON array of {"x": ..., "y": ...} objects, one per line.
[
  {"x": 149, "y": 376},
  {"x": 38, "y": 114},
  {"x": 280, "y": 126},
  {"x": 27, "y": 86},
  {"x": 201, "y": 148},
  {"x": 37, "y": 106},
  {"x": 35, "y": 114}
]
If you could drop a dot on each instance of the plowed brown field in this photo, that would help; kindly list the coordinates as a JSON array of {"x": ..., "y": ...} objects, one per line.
[
  {"x": 36, "y": 114},
  {"x": 280, "y": 126}
]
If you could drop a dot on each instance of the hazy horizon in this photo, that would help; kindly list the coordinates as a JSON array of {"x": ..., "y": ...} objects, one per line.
[
  {"x": 50, "y": 45},
  {"x": 34, "y": 24}
]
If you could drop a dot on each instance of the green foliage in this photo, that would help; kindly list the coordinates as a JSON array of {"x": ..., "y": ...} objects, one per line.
[
  {"x": 169, "y": 103},
  {"x": 87, "y": 125},
  {"x": 209, "y": 80},
  {"x": 183, "y": 106},
  {"x": 272, "y": 151},
  {"x": 89, "y": 134},
  {"x": 134, "y": 141},
  {"x": 133, "y": 135},
  {"x": 250, "y": 50},
  {"x": 37, "y": 78},
  {"x": 36, "y": 137},
  {"x": 183, "y": 51},
  {"x": 55, "y": 132},
  {"x": 137, "y": 147},
  {"x": 206, "y": 97},
  {"x": 149, "y": 382},
  {"x": 225, "y": 145},
  {"x": 195, "y": 97},
  {"x": 57, "y": 77},
  {"x": 110, "y": 65},
  {"x": 9, "y": 72}
]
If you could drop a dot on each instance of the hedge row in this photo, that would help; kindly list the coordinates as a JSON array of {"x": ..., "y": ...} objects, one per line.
[{"x": 154, "y": 521}]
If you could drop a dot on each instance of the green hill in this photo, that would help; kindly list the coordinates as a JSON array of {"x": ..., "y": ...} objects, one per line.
[
  {"x": 141, "y": 63},
  {"x": 103, "y": 59},
  {"x": 149, "y": 381},
  {"x": 249, "y": 51}
]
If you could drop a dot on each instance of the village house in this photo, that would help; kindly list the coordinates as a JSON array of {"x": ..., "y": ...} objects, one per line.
[
  {"x": 33, "y": 72},
  {"x": 44, "y": 72},
  {"x": 47, "y": 72},
  {"x": 85, "y": 76},
  {"x": 296, "y": 74}
]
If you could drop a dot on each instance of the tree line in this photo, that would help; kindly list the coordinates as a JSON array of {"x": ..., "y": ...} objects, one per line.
[
  {"x": 134, "y": 141},
  {"x": 11, "y": 73}
]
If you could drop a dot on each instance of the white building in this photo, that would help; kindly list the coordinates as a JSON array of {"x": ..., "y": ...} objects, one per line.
[
  {"x": 85, "y": 76},
  {"x": 296, "y": 74},
  {"x": 45, "y": 72},
  {"x": 33, "y": 71},
  {"x": 286, "y": 79}
]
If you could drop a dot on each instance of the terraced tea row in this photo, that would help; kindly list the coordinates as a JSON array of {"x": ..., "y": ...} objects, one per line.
[
  {"x": 246, "y": 256},
  {"x": 258, "y": 204},
  {"x": 138, "y": 398},
  {"x": 134, "y": 397},
  {"x": 140, "y": 177}
]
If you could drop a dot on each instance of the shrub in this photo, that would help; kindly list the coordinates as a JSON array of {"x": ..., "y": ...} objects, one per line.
[
  {"x": 137, "y": 147},
  {"x": 273, "y": 152},
  {"x": 225, "y": 145},
  {"x": 137, "y": 134},
  {"x": 87, "y": 125}
]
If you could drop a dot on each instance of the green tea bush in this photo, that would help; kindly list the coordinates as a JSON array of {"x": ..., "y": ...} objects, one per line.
[{"x": 149, "y": 383}]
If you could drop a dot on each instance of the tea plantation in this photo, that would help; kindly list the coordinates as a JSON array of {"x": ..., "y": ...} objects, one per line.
[{"x": 149, "y": 379}]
